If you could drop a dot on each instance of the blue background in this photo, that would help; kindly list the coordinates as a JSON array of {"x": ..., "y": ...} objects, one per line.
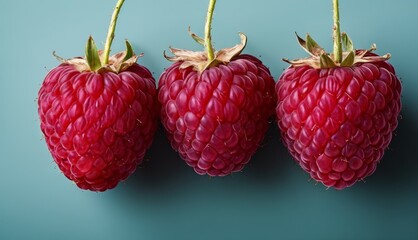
[{"x": 271, "y": 199}]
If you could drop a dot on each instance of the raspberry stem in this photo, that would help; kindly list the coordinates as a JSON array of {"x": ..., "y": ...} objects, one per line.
[
  {"x": 208, "y": 27},
  {"x": 111, "y": 32},
  {"x": 338, "y": 52}
]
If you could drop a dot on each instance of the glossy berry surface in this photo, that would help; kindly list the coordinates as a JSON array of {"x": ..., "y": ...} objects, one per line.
[
  {"x": 216, "y": 120},
  {"x": 98, "y": 126},
  {"x": 337, "y": 122}
]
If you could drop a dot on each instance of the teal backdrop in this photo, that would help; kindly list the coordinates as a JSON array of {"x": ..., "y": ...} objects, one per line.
[{"x": 272, "y": 198}]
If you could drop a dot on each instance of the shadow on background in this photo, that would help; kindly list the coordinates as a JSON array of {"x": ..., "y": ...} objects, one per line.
[
  {"x": 164, "y": 171},
  {"x": 161, "y": 168},
  {"x": 268, "y": 165}
]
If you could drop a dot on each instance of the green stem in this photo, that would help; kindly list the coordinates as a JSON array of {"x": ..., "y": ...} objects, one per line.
[
  {"x": 111, "y": 32},
  {"x": 338, "y": 51},
  {"x": 208, "y": 27}
]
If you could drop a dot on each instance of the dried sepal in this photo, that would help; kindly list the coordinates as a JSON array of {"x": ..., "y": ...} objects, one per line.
[
  {"x": 310, "y": 46},
  {"x": 184, "y": 55},
  {"x": 79, "y": 63},
  {"x": 367, "y": 59},
  {"x": 117, "y": 62},
  {"x": 199, "y": 59},
  {"x": 225, "y": 55},
  {"x": 362, "y": 53},
  {"x": 363, "y": 57},
  {"x": 310, "y": 61},
  {"x": 313, "y": 47},
  {"x": 60, "y": 59},
  {"x": 302, "y": 42}
]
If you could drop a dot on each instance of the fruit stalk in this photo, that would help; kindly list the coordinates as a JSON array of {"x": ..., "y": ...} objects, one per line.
[
  {"x": 111, "y": 32},
  {"x": 338, "y": 52},
  {"x": 208, "y": 28}
]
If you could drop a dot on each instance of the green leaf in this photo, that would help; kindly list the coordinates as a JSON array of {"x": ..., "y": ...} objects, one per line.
[
  {"x": 349, "y": 60},
  {"x": 347, "y": 43},
  {"x": 129, "y": 51},
  {"x": 326, "y": 61},
  {"x": 197, "y": 38},
  {"x": 313, "y": 47},
  {"x": 92, "y": 55}
]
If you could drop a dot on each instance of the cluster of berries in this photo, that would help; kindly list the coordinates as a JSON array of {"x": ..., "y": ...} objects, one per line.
[{"x": 336, "y": 112}]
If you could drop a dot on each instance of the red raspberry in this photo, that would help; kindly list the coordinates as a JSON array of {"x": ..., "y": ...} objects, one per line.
[
  {"x": 217, "y": 119},
  {"x": 99, "y": 114},
  {"x": 337, "y": 112},
  {"x": 215, "y": 104},
  {"x": 98, "y": 125},
  {"x": 337, "y": 122}
]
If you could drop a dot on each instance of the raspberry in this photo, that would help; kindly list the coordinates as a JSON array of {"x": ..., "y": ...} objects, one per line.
[
  {"x": 215, "y": 104},
  {"x": 217, "y": 119},
  {"x": 99, "y": 114},
  {"x": 337, "y": 122},
  {"x": 337, "y": 112},
  {"x": 98, "y": 125}
]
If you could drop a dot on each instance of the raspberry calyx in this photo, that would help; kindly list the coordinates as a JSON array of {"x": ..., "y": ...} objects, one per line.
[
  {"x": 100, "y": 60},
  {"x": 92, "y": 61},
  {"x": 344, "y": 54},
  {"x": 202, "y": 60},
  {"x": 320, "y": 59}
]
